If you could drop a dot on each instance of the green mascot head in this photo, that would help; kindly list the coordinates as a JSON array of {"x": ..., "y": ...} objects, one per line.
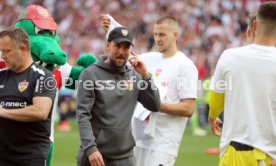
[{"x": 44, "y": 40}]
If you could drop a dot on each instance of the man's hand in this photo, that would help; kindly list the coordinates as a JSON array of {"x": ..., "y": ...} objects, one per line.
[
  {"x": 96, "y": 159},
  {"x": 138, "y": 65},
  {"x": 215, "y": 126},
  {"x": 273, "y": 163},
  {"x": 105, "y": 22}
]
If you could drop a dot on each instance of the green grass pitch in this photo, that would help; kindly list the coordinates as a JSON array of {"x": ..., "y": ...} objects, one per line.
[{"x": 192, "y": 151}]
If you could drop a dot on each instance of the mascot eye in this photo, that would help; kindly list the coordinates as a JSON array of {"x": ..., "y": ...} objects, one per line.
[
  {"x": 40, "y": 32},
  {"x": 52, "y": 33},
  {"x": 44, "y": 31}
]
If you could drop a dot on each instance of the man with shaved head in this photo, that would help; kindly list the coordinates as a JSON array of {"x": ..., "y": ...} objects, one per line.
[
  {"x": 176, "y": 74},
  {"x": 248, "y": 133}
]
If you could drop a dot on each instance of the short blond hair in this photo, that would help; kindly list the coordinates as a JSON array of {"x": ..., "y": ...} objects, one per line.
[{"x": 170, "y": 21}]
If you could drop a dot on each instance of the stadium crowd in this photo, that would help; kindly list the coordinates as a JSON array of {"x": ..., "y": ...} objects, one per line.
[{"x": 207, "y": 26}]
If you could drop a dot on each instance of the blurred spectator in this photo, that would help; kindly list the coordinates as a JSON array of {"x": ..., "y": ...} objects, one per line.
[{"x": 67, "y": 108}]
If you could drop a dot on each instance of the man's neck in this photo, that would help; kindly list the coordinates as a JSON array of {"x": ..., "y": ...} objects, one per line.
[
  {"x": 265, "y": 41},
  {"x": 25, "y": 66},
  {"x": 170, "y": 52}
]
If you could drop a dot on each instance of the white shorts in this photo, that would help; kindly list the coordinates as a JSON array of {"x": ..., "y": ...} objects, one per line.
[{"x": 146, "y": 157}]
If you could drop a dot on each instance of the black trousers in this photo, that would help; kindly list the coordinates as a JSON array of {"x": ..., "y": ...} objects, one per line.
[
  {"x": 23, "y": 162},
  {"x": 241, "y": 147}
]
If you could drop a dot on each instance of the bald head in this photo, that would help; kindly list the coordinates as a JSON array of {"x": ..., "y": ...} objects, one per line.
[
  {"x": 266, "y": 19},
  {"x": 170, "y": 22}
]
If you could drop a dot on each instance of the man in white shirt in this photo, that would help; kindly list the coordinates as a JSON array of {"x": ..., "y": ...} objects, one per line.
[
  {"x": 244, "y": 85},
  {"x": 159, "y": 140}
]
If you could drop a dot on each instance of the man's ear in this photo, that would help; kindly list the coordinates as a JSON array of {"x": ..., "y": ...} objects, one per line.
[
  {"x": 248, "y": 32},
  {"x": 107, "y": 45},
  {"x": 175, "y": 34},
  {"x": 23, "y": 48},
  {"x": 254, "y": 25}
]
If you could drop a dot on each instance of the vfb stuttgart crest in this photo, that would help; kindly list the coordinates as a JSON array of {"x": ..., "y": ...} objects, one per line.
[
  {"x": 129, "y": 84},
  {"x": 158, "y": 72},
  {"x": 124, "y": 32},
  {"x": 43, "y": 12},
  {"x": 22, "y": 86}
]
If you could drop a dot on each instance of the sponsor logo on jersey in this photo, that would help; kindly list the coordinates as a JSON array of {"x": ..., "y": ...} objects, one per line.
[
  {"x": 22, "y": 86},
  {"x": 13, "y": 104}
]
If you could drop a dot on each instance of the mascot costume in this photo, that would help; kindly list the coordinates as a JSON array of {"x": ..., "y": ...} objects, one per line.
[{"x": 45, "y": 50}]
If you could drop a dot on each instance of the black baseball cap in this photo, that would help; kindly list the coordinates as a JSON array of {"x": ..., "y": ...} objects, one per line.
[{"x": 120, "y": 34}]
